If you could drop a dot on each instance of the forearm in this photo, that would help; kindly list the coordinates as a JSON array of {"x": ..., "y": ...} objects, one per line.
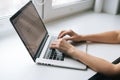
[
  {"x": 95, "y": 63},
  {"x": 106, "y": 37}
]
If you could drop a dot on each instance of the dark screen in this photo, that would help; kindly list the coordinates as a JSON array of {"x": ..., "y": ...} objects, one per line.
[{"x": 30, "y": 28}]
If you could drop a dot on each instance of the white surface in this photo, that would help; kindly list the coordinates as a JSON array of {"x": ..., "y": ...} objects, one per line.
[
  {"x": 16, "y": 63},
  {"x": 9, "y": 7},
  {"x": 108, "y": 52}
]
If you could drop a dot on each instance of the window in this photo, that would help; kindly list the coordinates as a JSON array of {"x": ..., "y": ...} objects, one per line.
[
  {"x": 57, "y": 8},
  {"x": 63, "y": 2}
]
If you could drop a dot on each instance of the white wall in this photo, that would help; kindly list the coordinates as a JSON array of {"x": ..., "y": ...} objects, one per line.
[
  {"x": 110, "y": 6},
  {"x": 50, "y": 13}
]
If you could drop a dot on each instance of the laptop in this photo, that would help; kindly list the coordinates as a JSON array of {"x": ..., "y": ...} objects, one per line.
[{"x": 36, "y": 39}]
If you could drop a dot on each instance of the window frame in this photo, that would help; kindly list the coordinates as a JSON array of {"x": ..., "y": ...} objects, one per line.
[{"x": 63, "y": 10}]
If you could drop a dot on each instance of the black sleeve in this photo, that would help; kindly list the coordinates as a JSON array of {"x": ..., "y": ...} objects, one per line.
[
  {"x": 99, "y": 76},
  {"x": 116, "y": 61}
]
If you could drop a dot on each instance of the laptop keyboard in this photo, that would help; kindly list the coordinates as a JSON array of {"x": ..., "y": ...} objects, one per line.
[{"x": 54, "y": 54}]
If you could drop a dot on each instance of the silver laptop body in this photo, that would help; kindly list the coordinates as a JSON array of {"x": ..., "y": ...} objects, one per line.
[{"x": 35, "y": 37}]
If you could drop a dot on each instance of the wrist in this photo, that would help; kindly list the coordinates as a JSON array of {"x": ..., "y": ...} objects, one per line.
[
  {"x": 73, "y": 52},
  {"x": 70, "y": 50},
  {"x": 84, "y": 38}
]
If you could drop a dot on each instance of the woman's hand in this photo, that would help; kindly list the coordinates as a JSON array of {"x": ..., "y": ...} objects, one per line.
[
  {"x": 72, "y": 35},
  {"x": 64, "y": 46}
]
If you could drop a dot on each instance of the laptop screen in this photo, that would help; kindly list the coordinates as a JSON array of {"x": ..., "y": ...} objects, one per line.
[{"x": 29, "y": 27}]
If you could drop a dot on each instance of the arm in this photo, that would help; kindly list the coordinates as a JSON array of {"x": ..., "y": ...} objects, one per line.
[
  {"x": 95, "y": 63},
  {"x": 105, "y": 37}
]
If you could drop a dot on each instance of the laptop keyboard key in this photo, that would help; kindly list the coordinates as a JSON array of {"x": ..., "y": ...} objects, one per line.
[{"x": 53, "y": 54}]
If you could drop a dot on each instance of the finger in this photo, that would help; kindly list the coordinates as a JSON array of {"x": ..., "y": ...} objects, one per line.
[
  {"x": 70, "y": 32},
  {"x": 64, "y": 33},
  {"x": 68, "y": 38},
  {"x": 54, "y": 44},
  {"x": 61, "y": 33}
]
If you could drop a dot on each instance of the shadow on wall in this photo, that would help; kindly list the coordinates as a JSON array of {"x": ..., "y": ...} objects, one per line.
[{"x": 119, "y": 8}]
